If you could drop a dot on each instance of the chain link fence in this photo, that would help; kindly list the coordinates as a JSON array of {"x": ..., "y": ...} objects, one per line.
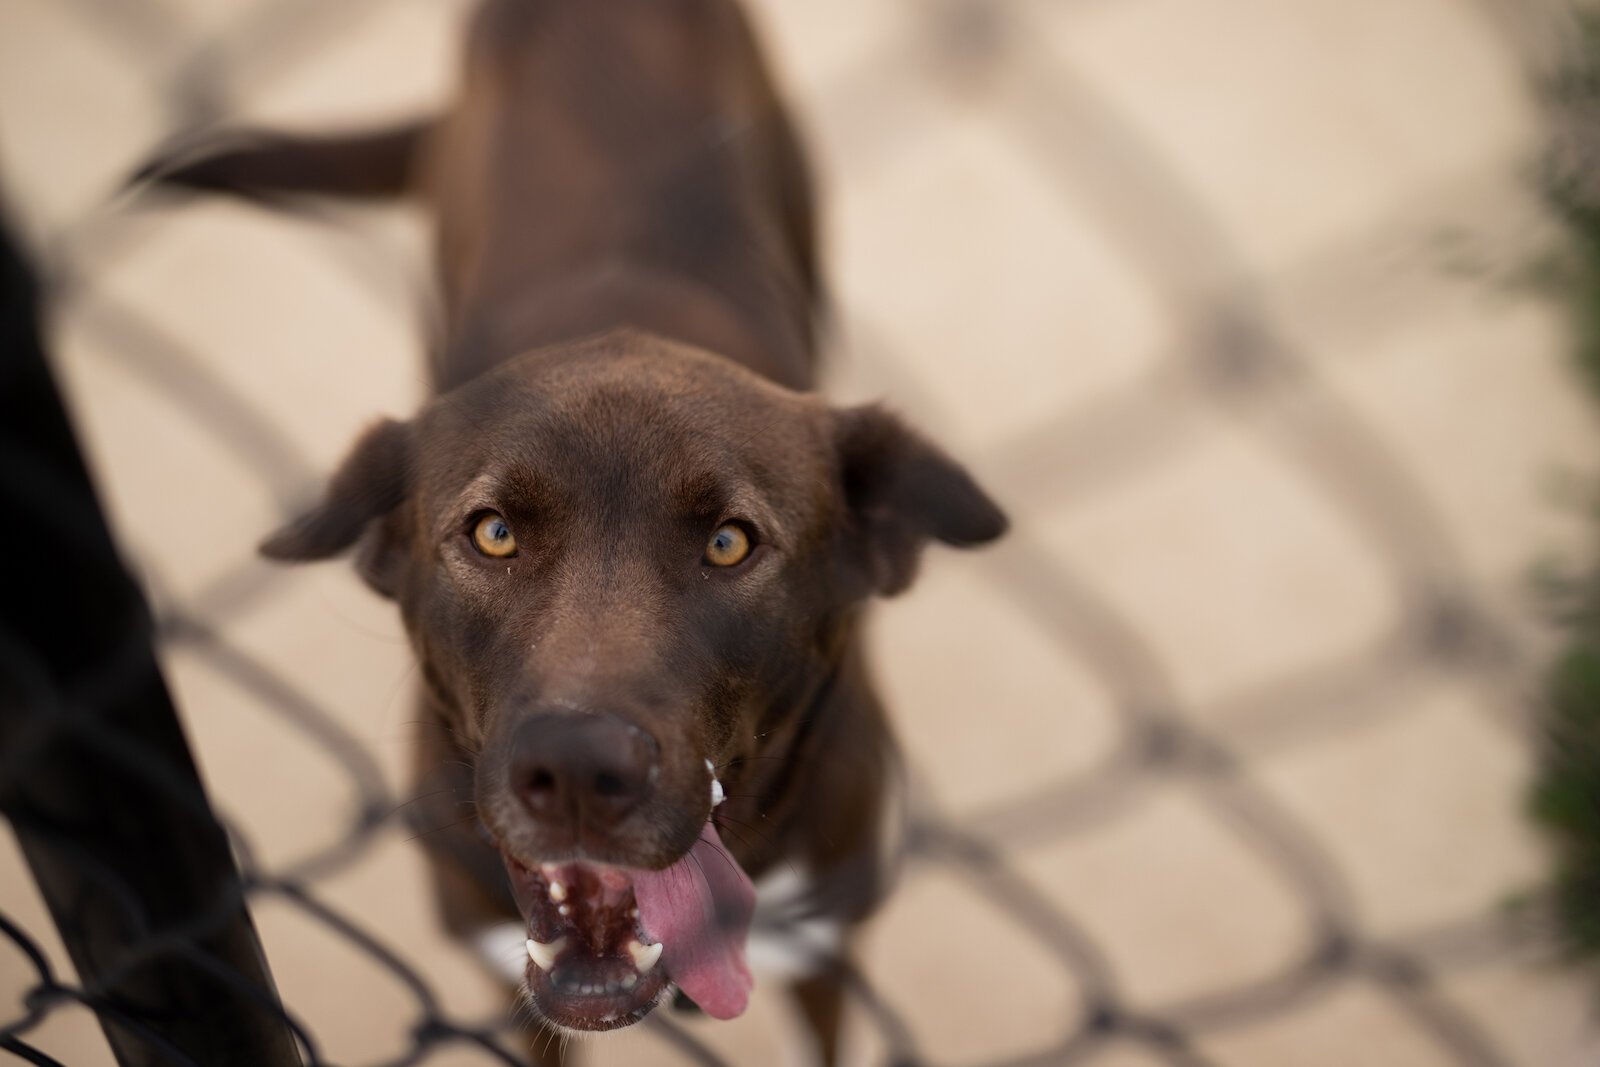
[{"x": 1229, "y": 359}]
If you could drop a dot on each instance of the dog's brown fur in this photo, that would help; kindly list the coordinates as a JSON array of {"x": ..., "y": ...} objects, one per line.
[{"x": 626, "y": 254}]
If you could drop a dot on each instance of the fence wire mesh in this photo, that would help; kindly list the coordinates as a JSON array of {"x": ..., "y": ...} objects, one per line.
[{"x": 1183, "y": 766}]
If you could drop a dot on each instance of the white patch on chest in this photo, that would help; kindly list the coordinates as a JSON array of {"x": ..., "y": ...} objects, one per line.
[
  {"x": 784, "y": 941},
  {"x": 503, "y": 949}
]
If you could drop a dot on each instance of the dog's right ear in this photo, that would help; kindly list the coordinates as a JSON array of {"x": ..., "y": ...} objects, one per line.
[{"x": 370, "y": 484}]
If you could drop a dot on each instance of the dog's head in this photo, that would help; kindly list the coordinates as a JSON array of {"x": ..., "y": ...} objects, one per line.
[{"x": 622, "y": 563}]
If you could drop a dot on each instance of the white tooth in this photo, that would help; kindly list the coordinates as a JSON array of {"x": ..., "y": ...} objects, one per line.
[
  {"x": 565, "y": 909},
  {"x": 716, "y": 786},
  {"x": 545, "y": 955},
  {"x": 633, "y": 913},
  {"x": 630, "y": 981},
  {"x": 644, "y": 956},
  {"x": 558, "y": 892}
]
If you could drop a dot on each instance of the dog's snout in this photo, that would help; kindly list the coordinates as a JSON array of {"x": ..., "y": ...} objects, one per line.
[{"x": 581, "y": 771}]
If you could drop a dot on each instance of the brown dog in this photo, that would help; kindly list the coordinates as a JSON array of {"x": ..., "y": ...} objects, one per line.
[{"x": 628, "y": 547}]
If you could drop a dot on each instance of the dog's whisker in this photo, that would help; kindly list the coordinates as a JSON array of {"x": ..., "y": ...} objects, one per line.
[
  {"x": 739, "y": 836},
  {"x": 436, "y": 829},
  {"x": 402, "y": 805},
  {"x": 744, "y": 759},
  {"x": 729, "y": 860},
  {"x": 763, "y": 833}
]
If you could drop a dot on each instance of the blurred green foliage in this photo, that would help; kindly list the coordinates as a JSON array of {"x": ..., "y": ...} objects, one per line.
[{"x": 1565, "y": 797}]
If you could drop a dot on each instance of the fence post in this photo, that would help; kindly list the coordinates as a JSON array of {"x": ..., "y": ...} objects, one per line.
[{"x": 95, "y": 773}]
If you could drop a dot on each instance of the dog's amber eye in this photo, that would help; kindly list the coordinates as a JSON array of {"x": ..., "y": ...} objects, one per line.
[
  {"x": 492, "y": 537},
  {"x": 728, "y": 546}
]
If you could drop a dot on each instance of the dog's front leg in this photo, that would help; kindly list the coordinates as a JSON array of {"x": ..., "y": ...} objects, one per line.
[{"x": 821, "y": 1000}]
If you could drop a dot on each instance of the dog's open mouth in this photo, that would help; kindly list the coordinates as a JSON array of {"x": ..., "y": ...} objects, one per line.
[{"x": 605, "y": 942}]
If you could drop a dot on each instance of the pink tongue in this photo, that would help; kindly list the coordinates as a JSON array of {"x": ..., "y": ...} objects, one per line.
[{"x": 700, "y": 908}]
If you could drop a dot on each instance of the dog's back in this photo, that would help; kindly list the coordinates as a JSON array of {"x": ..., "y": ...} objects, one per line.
[{"x": 638, "y": 170}]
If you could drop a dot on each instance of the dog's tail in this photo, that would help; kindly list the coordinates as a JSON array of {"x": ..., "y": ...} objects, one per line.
[{"x": 262, "y": 165}]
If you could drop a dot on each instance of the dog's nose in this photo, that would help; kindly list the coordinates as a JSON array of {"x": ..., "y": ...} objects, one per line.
[{"x": 584, "y": 771}]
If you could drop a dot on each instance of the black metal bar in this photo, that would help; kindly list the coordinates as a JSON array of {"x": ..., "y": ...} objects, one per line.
[{"x": 96, "y": 776}]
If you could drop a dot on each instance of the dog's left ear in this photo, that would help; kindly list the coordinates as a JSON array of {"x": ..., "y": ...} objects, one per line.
[
  {"x": 371, "y": 483},
  {"x": 901, "y": 492}
]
